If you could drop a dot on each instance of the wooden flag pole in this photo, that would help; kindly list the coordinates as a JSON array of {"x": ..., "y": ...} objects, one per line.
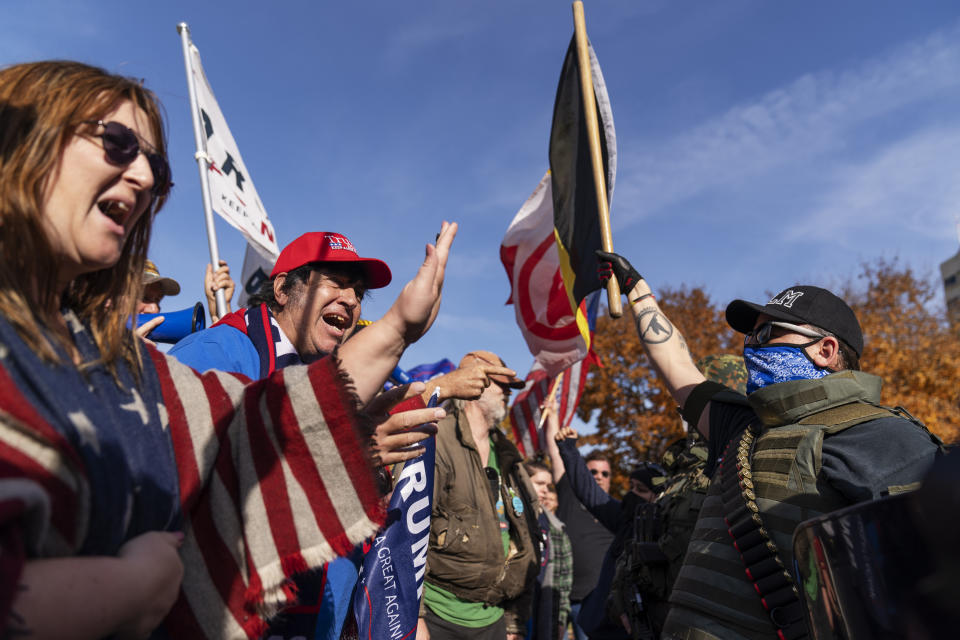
[
  {"x": 553, "y": 392},
  {"x": 593, "y": 134}
]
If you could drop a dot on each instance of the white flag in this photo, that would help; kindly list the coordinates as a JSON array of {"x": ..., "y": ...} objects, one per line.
[
  {"x": 256, "y": 270},
  {"x": 232, "y": 193}
]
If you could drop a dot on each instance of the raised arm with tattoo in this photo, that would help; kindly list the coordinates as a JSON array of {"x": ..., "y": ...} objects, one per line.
[{"x": 661, "y": 340}]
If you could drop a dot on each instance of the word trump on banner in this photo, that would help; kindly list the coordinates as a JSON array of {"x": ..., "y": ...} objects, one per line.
[
  {"x": 387, "y": 600},
  {"x": 232, "y": 194}
]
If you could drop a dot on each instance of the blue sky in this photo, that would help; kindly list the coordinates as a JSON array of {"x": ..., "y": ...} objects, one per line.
[{"x": 761, "y": 144}]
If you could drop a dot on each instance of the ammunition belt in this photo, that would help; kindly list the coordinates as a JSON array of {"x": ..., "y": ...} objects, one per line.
[{"x": 764, "y": 568}]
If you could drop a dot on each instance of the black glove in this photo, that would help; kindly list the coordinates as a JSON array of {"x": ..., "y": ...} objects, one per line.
[{"x": 613, "y": 264}]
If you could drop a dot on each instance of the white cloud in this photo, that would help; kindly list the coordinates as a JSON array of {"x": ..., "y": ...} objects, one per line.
[
  {"x": 913, "y": 186},
  {"x": 794, "y": 125},
  {"x": 448, "y": 25}
]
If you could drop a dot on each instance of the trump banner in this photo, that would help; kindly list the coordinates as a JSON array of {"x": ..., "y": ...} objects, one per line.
[
  {"x": 387, "y": 600},
  {"x": 232, "y": 194}
]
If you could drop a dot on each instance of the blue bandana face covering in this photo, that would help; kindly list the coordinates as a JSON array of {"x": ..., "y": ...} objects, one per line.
[{"x": 771, "y": 364}]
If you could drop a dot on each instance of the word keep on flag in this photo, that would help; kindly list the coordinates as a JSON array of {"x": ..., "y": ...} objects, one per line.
[
  {"x": 548, "y": 253},
  {"x": 232, "y": 194}
]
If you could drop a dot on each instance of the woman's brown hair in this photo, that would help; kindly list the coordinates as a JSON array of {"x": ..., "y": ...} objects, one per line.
[{"x": 41, "y": 106}]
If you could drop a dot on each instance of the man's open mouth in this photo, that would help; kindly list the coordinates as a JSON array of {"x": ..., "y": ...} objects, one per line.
[{"x": 337, "y": 321}]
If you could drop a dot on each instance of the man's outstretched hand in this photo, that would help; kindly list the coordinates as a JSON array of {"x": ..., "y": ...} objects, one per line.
[
  {"x": 418, "y": 303},
  {"x": 398, "y": 436}
]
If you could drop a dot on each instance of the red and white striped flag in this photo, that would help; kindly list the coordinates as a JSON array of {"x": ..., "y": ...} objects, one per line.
[
  {"x": 273, "y": 477},
  {"x": 526, "y": 414},
  {"x": 557, "y": 335}
]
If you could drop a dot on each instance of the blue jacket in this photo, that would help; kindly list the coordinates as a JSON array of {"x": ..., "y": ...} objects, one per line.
[
  {"x": 220, "y": 347},
  {"x": 598, "y": 502},
  {"x": 593, "y": 618}
]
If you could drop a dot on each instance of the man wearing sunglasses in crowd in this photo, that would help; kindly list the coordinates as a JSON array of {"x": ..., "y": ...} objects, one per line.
[
  {"x": 597, "y": 523},
  {"x": 810, "y": 437},
  {"x": 307, "y": 308}
]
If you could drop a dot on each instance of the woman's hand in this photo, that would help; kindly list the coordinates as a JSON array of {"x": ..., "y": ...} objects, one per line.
[
  {"x": 567, "y": 433},
  {"x": 144, "y": 330},
  {"x": 154, "y": 559}
]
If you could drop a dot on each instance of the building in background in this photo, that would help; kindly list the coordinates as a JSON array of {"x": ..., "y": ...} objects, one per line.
[{"x": 950, "y": 272}]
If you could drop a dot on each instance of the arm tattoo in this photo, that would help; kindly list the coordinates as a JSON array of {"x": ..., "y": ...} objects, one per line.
[
  {"x": 653, "y": 326},
  {"x": 16, "y": 626}
]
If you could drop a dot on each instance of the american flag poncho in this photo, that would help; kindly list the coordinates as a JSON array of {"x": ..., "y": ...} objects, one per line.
[{"x": 269, "y": 478}]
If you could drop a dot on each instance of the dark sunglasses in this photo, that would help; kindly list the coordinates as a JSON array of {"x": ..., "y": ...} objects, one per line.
[
  {"x": 598, "y": 472},
  {"x": 122, "y": 146},
  {"x": 762, "y": 334}
]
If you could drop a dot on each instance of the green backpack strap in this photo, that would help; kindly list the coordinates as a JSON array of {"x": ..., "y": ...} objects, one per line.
[{"x": 848, "y": 415}]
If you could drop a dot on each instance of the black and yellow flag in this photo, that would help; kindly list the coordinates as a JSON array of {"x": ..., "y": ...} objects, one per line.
[{"x": 575, "y": 215}]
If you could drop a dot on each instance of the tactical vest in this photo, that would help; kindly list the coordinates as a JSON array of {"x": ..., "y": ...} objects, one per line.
[
  {"x": 644, "y": 577},
  {"x": 713, "y": 596}
]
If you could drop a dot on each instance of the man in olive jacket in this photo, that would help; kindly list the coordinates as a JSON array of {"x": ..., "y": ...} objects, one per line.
[{"x": 484, "y": 550}]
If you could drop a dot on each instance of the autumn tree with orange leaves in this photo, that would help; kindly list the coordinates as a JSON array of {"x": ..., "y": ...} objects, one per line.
[
  {"x": 635, "y": 416},
  {"x": 908, "y": 344}
]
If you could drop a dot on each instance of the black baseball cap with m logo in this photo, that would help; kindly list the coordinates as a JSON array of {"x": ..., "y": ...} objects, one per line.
[{"x": 802, "y": 304}]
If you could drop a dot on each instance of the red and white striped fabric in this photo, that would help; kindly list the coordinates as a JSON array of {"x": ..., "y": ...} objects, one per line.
[
  {"x": 555, "y": 333},
  {"x": 525, "y": 412},
  {"x": 273, "y": 475},
  {"x": 274, "y": 481}
]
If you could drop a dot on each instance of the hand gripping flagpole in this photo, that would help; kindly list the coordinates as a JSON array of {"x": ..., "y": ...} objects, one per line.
[
  {"x": 203, "y": 163},
  {"x": 593, "y": 135}
]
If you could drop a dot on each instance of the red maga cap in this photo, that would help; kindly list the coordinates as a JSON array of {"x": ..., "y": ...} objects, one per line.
[{"x": 325, "y": 246}]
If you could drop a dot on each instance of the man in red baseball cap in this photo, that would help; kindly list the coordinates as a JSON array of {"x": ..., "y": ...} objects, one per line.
[{"x": 309, "y": 305}]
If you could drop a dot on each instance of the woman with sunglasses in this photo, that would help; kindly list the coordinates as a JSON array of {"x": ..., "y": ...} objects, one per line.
[{"x": 133, "y": 490}]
